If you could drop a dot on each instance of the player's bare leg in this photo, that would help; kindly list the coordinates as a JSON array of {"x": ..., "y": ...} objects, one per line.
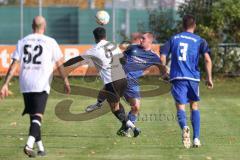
[
  {"x": 135, "y": 107},
  {"x": 132, "y": 115}
]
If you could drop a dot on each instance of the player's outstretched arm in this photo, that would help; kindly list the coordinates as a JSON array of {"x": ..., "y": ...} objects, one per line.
[
  {"x": 10, "y": 73},
  {"x": 73, "y": 62},
  {"x": 208, "y": 67}
]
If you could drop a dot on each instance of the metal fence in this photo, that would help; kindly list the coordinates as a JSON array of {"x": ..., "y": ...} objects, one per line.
[{"x": 72, "y": 21}]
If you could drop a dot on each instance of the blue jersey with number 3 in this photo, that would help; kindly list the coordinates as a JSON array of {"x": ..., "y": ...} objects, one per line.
[{"x": 185, "y": 49}]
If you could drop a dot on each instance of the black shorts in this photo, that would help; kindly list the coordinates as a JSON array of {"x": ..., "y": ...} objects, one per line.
[
  {"x": 114, "y": 91},
  {"x": 35, "y": 102}
]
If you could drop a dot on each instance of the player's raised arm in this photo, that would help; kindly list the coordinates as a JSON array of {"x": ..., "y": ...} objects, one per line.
[
  {"x": 124, "y": 45},
  {"x": 208, "y": 67},
  {"x": 73, "y": 61},
  {"x": 10, "y": 73}
]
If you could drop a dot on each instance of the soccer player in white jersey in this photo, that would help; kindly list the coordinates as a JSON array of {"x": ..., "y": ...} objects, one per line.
[
  {"x": 37, "y": 55},
  {"x": 105, "y": 56},
  {"x": 137, "y": 58}
]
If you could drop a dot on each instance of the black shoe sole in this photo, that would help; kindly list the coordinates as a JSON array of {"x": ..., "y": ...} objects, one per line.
[{"x": 41, "y": 154}]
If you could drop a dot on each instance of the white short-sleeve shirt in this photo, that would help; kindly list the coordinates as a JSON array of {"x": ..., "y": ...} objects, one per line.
[
  {"x": 37, "y": 55},
  {"x": 105, "y": 56}
]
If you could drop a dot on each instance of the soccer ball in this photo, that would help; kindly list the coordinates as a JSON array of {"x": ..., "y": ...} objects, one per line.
[{"x": 102, "y": 17}]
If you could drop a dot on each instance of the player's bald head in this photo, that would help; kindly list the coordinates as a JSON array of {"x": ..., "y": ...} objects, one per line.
[
  {"x": 39, "y": 23},
  {"x": 136, "y": 37}
]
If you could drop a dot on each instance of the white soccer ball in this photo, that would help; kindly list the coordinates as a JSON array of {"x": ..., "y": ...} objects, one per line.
[{"x": 102, "y": 17}]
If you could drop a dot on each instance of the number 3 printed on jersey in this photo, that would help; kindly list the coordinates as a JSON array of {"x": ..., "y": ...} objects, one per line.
[
  {"x": 31, "y": 54},
  {"x": 183, "y": 51}
]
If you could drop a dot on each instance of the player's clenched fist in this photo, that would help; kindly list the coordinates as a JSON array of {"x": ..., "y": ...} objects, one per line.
[{"x": 4, "y": 91}]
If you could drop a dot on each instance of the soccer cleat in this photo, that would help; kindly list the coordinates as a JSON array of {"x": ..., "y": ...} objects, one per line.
[
  {"x": 196, "y": 143},
  {"x": 41, "y": 153},
  {"x": 29, "y": 151},
  {"x": 128, "y": 133},
  {"x": 93, "y": 107},
  {"x": 122, "y": 131},
  {"x": 136, "y": 132},
  {"x": 186, "y": 137}
]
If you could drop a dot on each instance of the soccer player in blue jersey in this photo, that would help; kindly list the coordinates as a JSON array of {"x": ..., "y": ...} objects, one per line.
[
  {"x": 185, "y": 49},
  {"x": 137, "y": 58}
]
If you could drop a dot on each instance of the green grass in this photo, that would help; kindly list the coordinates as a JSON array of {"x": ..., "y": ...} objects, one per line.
[{"x": 97, "y": 139}]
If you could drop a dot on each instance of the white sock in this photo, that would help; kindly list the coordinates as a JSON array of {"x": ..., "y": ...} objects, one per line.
[
  {"x": 40, "y": 146},
  {"x": 130, "y": 124},
  {"x": 30, "y": 141}
]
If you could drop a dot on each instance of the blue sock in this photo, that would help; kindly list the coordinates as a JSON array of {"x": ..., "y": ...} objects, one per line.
[
  {"x": 182, "y": 120},
  {"x": 132, "y": 117},
  {"x": 195, "y": 118}
]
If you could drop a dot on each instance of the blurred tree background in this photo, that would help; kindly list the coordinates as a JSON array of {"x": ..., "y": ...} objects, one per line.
[{"x": 218, "y": 22}]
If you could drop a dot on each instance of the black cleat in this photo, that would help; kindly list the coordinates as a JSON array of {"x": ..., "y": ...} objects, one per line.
[
  {"x": 122, "y": 131},
  {"x": 41, "y": 153},
  {"x": 93, "y": 107},
  {"x": 29, "y": 151},
  {"x": 136, "y": 132}
]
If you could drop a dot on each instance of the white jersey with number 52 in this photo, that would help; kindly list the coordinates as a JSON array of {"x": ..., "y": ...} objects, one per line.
[{"x": 37, "y": 55}]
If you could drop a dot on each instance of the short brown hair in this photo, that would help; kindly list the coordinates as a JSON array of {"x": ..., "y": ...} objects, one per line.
[
  {"x": 150, "y": 34},
  {"x": 188, "y": 21}
]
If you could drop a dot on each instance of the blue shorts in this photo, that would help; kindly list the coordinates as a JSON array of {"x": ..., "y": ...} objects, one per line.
[
  {"x": 184, "y": 91},
  {"x": 132, "y": 90}
]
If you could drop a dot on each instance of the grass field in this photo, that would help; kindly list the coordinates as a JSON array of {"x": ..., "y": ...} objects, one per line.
[{"x": 97, "y": 139}]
